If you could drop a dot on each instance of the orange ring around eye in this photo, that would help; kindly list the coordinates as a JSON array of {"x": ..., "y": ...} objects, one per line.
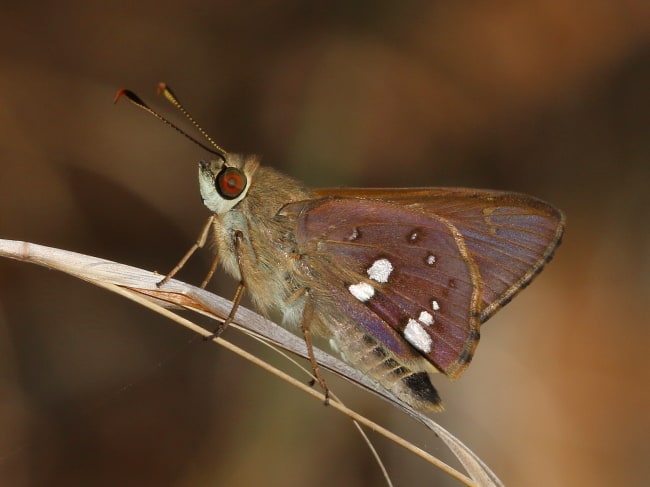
[{"x": 230, "y": 182}]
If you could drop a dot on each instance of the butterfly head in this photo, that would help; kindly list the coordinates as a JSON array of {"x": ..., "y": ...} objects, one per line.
[{"x": 225, "y": 182}]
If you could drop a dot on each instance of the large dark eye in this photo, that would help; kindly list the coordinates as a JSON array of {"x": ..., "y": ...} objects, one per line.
[{"x": 230, "y": 183}]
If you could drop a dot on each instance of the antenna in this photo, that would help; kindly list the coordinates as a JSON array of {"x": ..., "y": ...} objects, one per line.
[{"x": 162, "y": 88}]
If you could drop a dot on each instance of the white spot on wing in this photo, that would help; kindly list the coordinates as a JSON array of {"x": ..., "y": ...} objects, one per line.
[
  {"x": 417, "y": 336},
  {"x": 431, "y": 259},
  {"x": 362, "y": 291},
  {"x": 434, "y": 305},
  {"x": 354, "y": 235},
  {"x": 380, "y": 270},
  {"x": 425, "y": 318}
]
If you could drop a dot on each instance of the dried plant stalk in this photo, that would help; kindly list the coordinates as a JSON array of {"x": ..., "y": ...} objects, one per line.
[{"x": 140, "y": 286}]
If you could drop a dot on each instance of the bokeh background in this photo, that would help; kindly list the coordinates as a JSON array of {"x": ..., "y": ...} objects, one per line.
[{"x": 547, "y": 97}]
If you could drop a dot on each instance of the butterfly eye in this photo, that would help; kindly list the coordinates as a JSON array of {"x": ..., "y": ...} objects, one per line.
[{"x": 230, "y": 182}]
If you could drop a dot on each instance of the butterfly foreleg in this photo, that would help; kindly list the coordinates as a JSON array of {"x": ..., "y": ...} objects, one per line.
[
  {"x": 239, "y": 293},
  {"x": 211, "y": 271},
  {"x": 200, "y": 242}
]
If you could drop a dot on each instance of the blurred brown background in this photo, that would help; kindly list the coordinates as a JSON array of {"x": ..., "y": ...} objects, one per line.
[{"x": 550, "y": 98}]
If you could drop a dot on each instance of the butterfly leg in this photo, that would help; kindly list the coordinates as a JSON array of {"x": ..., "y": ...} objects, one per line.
[
  {"x": 211, "y": 271},
  {"x": 200, "y": 242},
  {"x": 239, "y": 293},
  {"x": 307, "y": 316}
]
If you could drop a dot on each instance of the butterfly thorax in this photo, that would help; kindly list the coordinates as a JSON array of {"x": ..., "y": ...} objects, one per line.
[{"x": 268, "y": 259}]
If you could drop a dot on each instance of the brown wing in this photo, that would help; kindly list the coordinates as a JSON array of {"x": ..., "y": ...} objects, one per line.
[
  {"x": 510, "y": 236},
  {"x": 428, "y": 264}
]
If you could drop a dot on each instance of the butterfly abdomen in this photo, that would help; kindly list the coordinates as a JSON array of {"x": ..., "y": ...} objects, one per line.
[{"x": 408, "y": 382}]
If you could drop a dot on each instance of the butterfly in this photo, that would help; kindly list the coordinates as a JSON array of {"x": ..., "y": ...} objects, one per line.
[{"x": 398, "y": 280}]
